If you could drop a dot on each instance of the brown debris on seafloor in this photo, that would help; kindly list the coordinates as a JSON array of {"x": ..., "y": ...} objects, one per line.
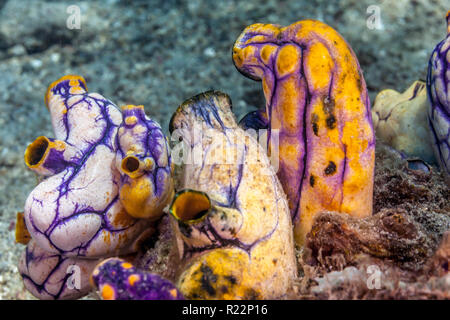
[
  {"x": 158, "y": 253},
  {"x": 412, "y": 213},
  {"x": 376, "y": 279},
  {"x": 404, "y": 240}
]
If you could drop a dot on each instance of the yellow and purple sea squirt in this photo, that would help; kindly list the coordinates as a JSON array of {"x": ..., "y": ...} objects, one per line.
[
  {"x": 102, "y": 168},
  {"x": 230, "y": 214},
  {"x": 317, "y": 104}
]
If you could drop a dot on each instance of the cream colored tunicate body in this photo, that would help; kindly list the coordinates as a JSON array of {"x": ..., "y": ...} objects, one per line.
[
  {"x": 400, "y": 120},
  {"x": 230, "y": 213}
]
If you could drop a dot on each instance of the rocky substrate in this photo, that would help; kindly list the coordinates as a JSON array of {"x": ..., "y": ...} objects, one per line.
[{"x": 402, "y": 251}]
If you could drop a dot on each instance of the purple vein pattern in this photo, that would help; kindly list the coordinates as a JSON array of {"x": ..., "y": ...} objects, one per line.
[
  {"x": 317, "y": 104},
  {"x": 76, "y": 215},
  {"x": 242, "y": 246},
  {"x": 438, "y": 80}
]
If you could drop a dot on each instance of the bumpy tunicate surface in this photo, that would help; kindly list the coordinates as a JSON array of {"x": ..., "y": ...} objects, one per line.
[
  {"x": 145, "y": 163},
  {"x": 438, "y": 80},
  {"x": 318, "y": 108},
  {"x": 77, "y": 213},
  {"x": 54, "y": 276},
  {"x": 237, "y": 241}
]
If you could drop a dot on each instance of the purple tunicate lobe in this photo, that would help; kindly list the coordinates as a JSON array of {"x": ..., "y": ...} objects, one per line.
[{"x": 439, "y": 95}]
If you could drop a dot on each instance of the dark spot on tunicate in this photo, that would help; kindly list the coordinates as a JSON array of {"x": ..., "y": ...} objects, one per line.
[
  {"x": 331, "y": 168},
  {"x": 264, "y": 209},
  {"x": 359, "y": 81},
  {"x": 315, "y": 126},
  {"x": 208, "y": 277},
  {"x": 231, "y": 279},
  {"x": 312, "y": 180},
  {"x": 328, "y": 109},
  {"x": 331, "y": 122},
  {"x": 274, "y": 261},
  {"x": 343, "y": 76},
  {"x": 224, "y": 289}
]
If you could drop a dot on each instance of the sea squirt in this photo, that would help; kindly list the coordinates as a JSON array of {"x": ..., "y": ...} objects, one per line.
[
  {"x": 317, "y": 104},
  {"x": 78, "y": 212},
  {"x": 230, "y": 214},
  {"x": 400, "y": 120}
]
